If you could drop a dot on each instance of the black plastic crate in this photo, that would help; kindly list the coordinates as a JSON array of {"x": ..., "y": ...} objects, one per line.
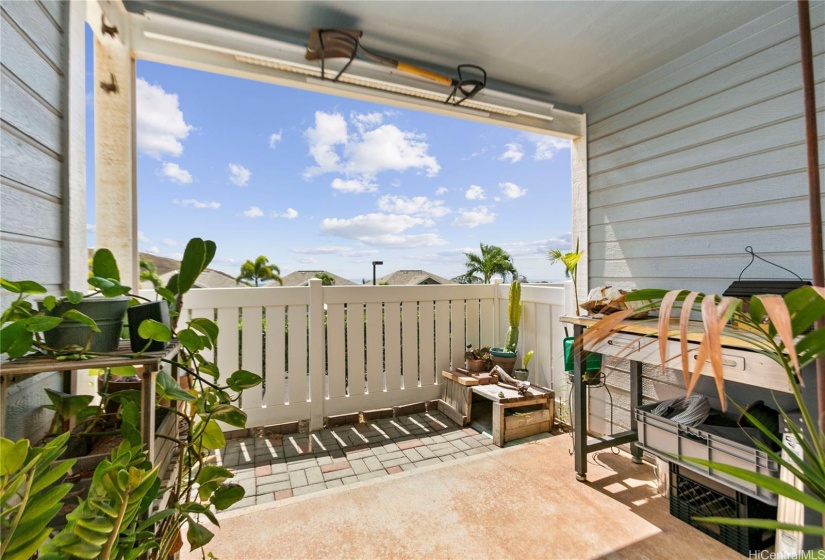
[{"x": 693, "y": 495}]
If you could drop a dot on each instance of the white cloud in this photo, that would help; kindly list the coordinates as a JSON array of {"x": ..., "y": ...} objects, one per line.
[
  {"x": 90, "y": 227},
  {"x": 330, "y": 130},
  {"x": 160, "y": 122},
  {"x": 142, "y": 237},
  {"x": 417, "y": 206},
  {"x": 382, "y": 230},
  {"x": 368, "y": 151},
  {"x": 290, "y": 214},
  {"x": 176, "y": 173},
  {"x": 353, "y": 185},
  {"x": 239, "y": 175},
  {"x": 546, "y": 146},
  {"x": 307, "y": 260},
  {"x": 364, "y": 121},
  {"x": 512, "y": 190},
  {"x": 513, "y": 154},
  {"x": 441, "y": 191},
  {"x": 275, "y": 138},
  {"x": 253, "y": 212},
  {"x": 170, "y": 242},
  {"x": 389, "y": 148},
  {"x": 474, "y": 217},
  {"x": 197, "y": 203},
  {"x": 539, "y": 247},
  {"x": 475, "y": 193},
  {"x": 154, "y": 250}
]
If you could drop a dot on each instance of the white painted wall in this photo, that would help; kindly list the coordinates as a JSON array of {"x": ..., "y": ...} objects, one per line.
[
  {"x": 702, "y": 157},
  {"x": 693, "y": 162},
  {"x": 42, "y": 128}
]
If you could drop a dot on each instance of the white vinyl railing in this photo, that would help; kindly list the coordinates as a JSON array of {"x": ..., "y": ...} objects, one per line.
[{"x": 329, "y": 350}]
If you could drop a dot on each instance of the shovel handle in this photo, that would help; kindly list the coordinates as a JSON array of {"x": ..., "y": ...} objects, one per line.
[{"x": 417, "y": 71}]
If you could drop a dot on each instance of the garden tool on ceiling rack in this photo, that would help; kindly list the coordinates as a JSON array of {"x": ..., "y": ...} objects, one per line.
[{"x": 346, "y": 43}]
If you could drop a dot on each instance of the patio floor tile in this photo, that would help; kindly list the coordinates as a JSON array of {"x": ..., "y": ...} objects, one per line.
[{"x": 272, "y": 468}]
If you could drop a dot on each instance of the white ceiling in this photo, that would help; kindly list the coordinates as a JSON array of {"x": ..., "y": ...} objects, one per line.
[{"x": 570, "y": 52}]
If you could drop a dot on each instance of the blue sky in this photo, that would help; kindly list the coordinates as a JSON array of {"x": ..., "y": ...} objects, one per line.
[{"x": 314, "y": 181}]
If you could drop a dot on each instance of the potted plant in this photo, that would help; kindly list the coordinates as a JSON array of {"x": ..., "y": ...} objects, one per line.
[
  {"x": 505, "y": 357},
  {"x": 788, "y": 330},
  {"x": 477, "y": 359},
  {"x": 76, "y": 323},
  {"x": 570, "y": 260},
  {"x": 113, "y": 521},
  {"x": 523, "y": 373}
]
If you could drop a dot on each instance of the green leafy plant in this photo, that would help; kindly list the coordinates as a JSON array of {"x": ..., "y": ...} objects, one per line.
[
  {"x": 526, "y": 360},
  {"x": 107, "y": 523},
  {"x": 514, "y": 315},
  {"x": 23, "y": 323},
  {"x": 31, "y": 494},
  {"x": 111, "y": 521},
  {"x": 570, "y": 260},
  {"x": 781, "y": 328}
]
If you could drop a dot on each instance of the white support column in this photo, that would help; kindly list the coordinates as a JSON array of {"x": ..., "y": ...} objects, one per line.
[
  {"x": 580, "y": 209},
  {"x": 317, "y": 365},
  {"x": 115, "y": 169}
]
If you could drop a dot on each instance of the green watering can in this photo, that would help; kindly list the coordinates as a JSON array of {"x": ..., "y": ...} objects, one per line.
[{"x": 593, "y": 361}]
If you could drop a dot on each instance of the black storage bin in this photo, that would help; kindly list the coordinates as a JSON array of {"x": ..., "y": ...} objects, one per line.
[{"x": 693, "y": 495}]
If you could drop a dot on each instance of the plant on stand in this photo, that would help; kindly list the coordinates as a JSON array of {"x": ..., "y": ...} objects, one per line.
[
  {"x": 505, "y": 357},
  {"x": 113, "y": 520},
  {"x": 69, "y": 326},
  {"x": 783, "y": 328},
  {"x": 523, "y": 373},
  {"x": 477, "y": 359},
  {"x": 570, "y": 260}
]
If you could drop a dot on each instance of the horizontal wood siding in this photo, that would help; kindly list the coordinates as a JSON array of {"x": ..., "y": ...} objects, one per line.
[
  {"x": 32, "y": 131},
  {"x": 31, "y": 140},
  {"x": 693, "y": 162}
]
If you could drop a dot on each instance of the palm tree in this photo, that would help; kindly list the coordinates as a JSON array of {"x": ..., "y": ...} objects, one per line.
[
  {"x": 482, "y": 267},
  {"x": 326, "y": 279},
  {"x": 253, "y": 273},
  {"x": 570, "y": 260}
]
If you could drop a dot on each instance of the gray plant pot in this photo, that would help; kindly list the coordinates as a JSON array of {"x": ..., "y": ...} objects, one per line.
[
  {"x": 521, "y": 374},
  {"x": 107, "y": 313}
]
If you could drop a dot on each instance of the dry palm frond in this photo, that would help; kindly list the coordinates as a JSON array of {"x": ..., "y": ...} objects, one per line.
[
  {"x": 684, "y": 321},
  {"x": 603, "y": 329},
  {"x": 664, "y": 323},
  {"x": 778, "y": 313}
]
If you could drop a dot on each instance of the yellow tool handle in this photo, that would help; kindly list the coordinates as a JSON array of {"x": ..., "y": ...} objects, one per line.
[{"x": 410, "y": 69}]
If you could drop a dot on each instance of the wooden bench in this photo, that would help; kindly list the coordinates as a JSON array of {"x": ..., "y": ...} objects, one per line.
[{"x": 515, "y": 416}]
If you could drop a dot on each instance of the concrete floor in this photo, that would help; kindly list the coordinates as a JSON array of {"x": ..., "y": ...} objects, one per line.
[{"x": 518, "y": 502}]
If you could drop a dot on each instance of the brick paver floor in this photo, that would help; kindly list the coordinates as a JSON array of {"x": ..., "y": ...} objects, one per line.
[{"x": 279, "y": 466}]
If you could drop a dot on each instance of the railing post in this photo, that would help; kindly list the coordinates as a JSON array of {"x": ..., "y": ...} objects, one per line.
[
  {"x": 569, "y": 300},
  {"x": 316, "y": 354},
  {"x": 495, "y": 283}
]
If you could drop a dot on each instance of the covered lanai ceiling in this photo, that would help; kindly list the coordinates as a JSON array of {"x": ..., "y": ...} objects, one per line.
[{"x": 568, "y": 53}]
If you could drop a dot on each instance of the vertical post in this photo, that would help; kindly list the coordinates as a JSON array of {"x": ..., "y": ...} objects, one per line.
[
  {"x": 579, "y": 412},
  {"x": 317, "y": 364},
  {"x": 147, "y": 410},
  {"x": 495, "y": 283},
  {"x": 580, "y": 206},
  {"x": 114, "y": 101},
  {"x": 811, "y": 141},
  {"x": 635, "y": 402},
  {"x": 374, "y": 264}
]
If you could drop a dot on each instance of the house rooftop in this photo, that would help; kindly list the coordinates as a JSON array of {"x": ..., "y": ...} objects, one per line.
[
  {"x": 413, "y": 278},
  {"x": 302, "y": 278}
]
